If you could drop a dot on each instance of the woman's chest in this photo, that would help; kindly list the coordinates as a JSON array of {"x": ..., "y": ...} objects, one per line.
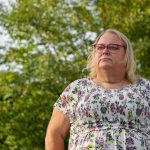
[{"x": 111, "y": 106}]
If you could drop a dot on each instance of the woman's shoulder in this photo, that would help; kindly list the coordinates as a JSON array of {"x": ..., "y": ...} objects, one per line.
[
  {"x": 143, "y": 82},
  {"x": 79, "y": 82}
]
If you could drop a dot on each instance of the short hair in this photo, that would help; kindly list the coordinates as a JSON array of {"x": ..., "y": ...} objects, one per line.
[{"x": 129, "y": 56}]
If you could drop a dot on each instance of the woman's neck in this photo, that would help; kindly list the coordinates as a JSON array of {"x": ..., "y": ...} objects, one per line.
[
  {"x": 111, "y": 84},
  {"x": 111, "y": 81}
]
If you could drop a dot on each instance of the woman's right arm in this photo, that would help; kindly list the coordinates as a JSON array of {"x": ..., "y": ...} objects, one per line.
[{"x": 56, "y": 131}]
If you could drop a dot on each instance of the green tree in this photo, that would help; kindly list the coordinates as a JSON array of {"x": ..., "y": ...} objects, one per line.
[{"x": 53, "y": 39}]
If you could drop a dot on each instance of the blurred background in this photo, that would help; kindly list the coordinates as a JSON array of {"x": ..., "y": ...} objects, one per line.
[{"x": 44, "y": 46}]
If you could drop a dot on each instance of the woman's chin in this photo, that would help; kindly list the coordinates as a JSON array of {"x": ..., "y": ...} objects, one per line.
[{"x": 105, "y": 64}]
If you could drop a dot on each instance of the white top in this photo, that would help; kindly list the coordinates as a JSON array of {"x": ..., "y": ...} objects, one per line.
[{"x": 107, "y": 119}]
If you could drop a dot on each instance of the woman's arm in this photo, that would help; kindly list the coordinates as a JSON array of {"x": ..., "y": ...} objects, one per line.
[{"x": 56, "y": 131}]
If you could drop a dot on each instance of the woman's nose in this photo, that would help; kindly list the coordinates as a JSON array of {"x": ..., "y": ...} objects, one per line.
[{"x": 106, "y": 51}]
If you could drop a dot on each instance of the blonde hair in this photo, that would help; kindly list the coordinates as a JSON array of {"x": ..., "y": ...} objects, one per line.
[{"x": 129, "y": 56}]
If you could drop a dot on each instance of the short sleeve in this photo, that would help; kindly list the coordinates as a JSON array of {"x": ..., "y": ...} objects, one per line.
[
  {"x": 144, "y": 89},
  {"x": 66, "y": 103},
  {"x": 147, "y": 86}
]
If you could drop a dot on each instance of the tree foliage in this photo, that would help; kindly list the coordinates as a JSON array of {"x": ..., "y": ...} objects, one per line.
[{"x": 53, "y": 39}]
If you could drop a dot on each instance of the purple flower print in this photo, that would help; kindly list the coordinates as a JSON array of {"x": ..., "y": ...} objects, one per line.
[
  {"x": 68, "y": 113},
  {"x": 130, "y": 95},
  {"x": 99, "y": 142},
  {"x": 79, "y": 93},
  {"x": 138, "y": 111},
  {"x": 121, "y": 97},
  {"x": 68, "y": 88},
  {"x": 103, "y": 110},
  {"x": 120, "y": 109},
  {"x": 112, "y": 107},
  {"x": 63, "y": 100},
  {"x": 148, "y": 87},
  {"x": 131, "y": 148},
  {"x": 129, "y": 141},
  {"x": 96, "y": 96},
  {"x": 84, "y": 83}
]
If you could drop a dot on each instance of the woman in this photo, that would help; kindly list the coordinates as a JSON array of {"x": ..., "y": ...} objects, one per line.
[{"x": 110, "y": 110}]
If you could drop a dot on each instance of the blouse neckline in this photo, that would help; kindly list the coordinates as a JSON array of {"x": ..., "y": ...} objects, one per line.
[{"x": 113, "y": 89}]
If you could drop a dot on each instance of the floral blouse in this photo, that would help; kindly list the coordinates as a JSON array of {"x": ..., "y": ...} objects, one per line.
[{"x": 107, "y": 119}]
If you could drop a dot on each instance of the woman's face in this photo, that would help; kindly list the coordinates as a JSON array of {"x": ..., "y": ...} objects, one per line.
[{"x": 109, "y": 52}]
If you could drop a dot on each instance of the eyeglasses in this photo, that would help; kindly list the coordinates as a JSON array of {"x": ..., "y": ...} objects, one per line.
[{"x": 111, "y": 47}]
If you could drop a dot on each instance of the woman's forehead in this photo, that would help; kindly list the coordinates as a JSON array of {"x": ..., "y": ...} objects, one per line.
[{"x": 109, "y": 37}]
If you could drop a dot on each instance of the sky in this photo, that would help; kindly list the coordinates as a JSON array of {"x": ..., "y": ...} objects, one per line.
[
  {"x": 6, "y": 2},
  {"x": 4, "y": 37},
  {"x": 5, "y": 40}
]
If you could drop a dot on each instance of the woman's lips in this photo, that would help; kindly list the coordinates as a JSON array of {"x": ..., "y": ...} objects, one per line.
[{"x": 105, "y": 59}]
